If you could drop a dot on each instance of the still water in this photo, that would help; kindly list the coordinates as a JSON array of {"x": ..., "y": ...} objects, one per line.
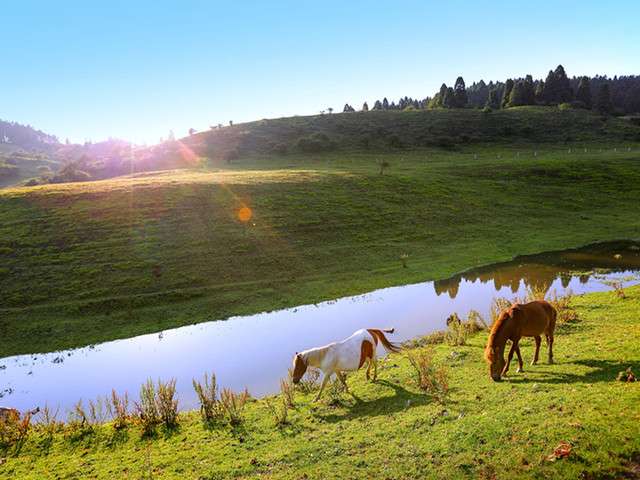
[{"x": 255, "y": 351}]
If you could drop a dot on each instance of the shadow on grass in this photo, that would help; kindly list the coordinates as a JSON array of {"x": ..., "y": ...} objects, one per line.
[
  {"x": 602, "y": 371},
  {"x": 401, "y": 400}
]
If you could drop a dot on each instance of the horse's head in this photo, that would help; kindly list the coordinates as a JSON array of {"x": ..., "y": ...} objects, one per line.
[
  {"x": 494, "y": 351},
  {"x": 299, "y": 368},
  {"x": 496, "y": 362}
]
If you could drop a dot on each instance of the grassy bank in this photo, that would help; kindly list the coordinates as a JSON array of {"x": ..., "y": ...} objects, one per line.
[
  {"x": 87, "y": 262},
  {"x": 391, "y": 429}
]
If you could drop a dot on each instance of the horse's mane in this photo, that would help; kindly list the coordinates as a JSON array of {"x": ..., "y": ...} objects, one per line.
[{"x": 502, "y": 319}]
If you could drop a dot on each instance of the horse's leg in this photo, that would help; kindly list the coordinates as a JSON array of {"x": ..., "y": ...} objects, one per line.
[
  {"x": 550, "y": 345},
  {"x": 322, "y": 385},
  {"x": 520, "y": 363},
  {"x": 506, "y": 367},
  {"x": 538, "y": 339},
  {"x": 375, "y": 367},
  {"x": 368, "y": 368}
]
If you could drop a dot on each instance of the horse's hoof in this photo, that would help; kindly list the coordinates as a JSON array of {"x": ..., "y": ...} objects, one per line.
[{"x": 534, "y": 363}]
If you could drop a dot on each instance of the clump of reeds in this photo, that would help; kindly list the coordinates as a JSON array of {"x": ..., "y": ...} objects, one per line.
[
  {"x": 233, "y": 405},
  {"x": 48, "y": 422},
  {"x": 118, "y": 407},
  {"x": 458, "y": 330},
  {"x": 167, "y": 403},
  {"x": 309, "y": 382},
  {"x": 207, "y": 391},
  {"x": 432, "y": 379},
  {"x": 147, "y": 408}
]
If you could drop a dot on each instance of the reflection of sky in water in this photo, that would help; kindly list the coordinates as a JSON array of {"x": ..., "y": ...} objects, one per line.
[{"x": 255, "y": 351}]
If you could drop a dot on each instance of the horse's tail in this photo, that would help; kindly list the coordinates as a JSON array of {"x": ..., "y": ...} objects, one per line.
[{"x": 378, "y": 335}]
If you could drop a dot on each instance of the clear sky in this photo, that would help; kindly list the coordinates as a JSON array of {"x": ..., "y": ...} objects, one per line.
[{"x": 136, "y": 69}]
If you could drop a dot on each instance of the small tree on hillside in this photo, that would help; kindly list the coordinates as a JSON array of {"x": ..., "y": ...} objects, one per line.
[
  {"x": 377, "y": 105},
  {"x": 330, "y": 110},
  {"x": 539, "y": 92},
  {"x": 192, "y": 131},
  {"x": 529, "y": 91},
  {"x": 459, "y": 93},
  {"x": 385, "y": 104},
  {"x": 506, "y": 94},
  {"x": 518, "y": 95},
  {"x": 365, "y": 107},
  {"x": 449, "y": 100}
]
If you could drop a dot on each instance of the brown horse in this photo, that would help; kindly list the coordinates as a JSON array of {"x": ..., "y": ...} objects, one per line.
[{"x": 520, "y": 320}]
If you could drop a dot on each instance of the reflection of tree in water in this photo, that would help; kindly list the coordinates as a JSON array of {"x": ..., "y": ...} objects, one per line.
[{"x": 540, "y": 271}]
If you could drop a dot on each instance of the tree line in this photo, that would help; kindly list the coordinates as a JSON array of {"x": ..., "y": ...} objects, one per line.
[
  {"x": 24, "y": 135},
  {"x": 618, "y": 95}
]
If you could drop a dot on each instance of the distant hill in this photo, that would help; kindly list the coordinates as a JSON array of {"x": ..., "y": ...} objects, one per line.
[
  {"x": 394, "y": 130},
  {"x": 24, "y": 153}
]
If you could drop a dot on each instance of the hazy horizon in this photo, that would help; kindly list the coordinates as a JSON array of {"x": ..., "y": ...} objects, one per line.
[{"x": 134, "y": 72}]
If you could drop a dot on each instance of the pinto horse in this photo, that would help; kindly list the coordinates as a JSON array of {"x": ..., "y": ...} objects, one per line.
[
  {"x": 520, "y": 320},
  {"x": 346, "y": 356}
]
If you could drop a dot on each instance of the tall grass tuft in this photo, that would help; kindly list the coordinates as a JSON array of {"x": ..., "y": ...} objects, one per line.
[
  {"x": 79, "y": 420},
  {"x": 118, "y": 407},
  {"x": 233, "y": 405},
  {"x": 431, "y": 379},
  {"x": 287, "y": 391},
  {"x": 147, "y": 408},
  {"x": 48, "y": 422},
  {"x": 310, "y": 381},
  {"x": 207, "y": 391},
  {"x": 167, "y": 403},
  {"x": 279, "y": 410},
  {"x": 458, "y": 330},
  {"x": 497, "y": 306}
]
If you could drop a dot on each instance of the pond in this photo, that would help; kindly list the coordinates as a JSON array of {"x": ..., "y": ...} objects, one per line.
[{"x": 255, "y": 351}]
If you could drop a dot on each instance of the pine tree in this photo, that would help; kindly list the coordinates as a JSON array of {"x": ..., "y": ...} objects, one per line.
[
  {"x": 549, "y": 95},
  {"x": 506, "y": 94},
  {"x": 493, "y": 101},
  {"x": 517, "y": 96},
  {"x": 385, "y": 104},
  {"x": 529, "y": 91},
  {"x": 449, "y": 100},
  {"x": 603, "y": 101},
  {"x": 365, "y": 107},
  {"x": 460, "y": 93},
  {"x": 377, "y": 105},
  {"x": 441, "y": 95},
  {"x": 583, "y": 93},
  {"x": 563, "y": 86}
]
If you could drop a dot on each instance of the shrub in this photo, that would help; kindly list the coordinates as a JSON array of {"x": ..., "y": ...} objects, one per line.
[
  {"x": 617, "y": 288},
  {"x": 210, "y": 408},
  {"x": 167, "y": 403},
  {"x": 565, "y": 106},
  {"x": 458, "y": 331},
  {"x": 535, "y": 293},
  {"x": 119, "y": 410},
  {"x": 334, "y": 392},
  {"x": 79, "y": 420},
  {"x": 233, "y": 405},
  {"x": 430, "y": 379}
]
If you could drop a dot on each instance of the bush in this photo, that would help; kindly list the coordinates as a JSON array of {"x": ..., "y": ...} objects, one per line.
[
  {"x": 497, "y": 306},
  {"x": 430, "y": 379},
  {"x": 565, "y": 106},
  {"x": 210, "y": 408},
  {"x": 233, "y": 405},
  {"x": 48, "y": 422},
  {"x": 279, "y": 409}
]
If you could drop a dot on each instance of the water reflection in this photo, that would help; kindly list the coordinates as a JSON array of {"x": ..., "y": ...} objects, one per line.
[{"x": 255, "y": 351}]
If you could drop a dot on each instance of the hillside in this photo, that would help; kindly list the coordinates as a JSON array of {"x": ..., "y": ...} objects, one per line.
[
  {"x": 391, "y": 429},
  {"x": 377, "y": 131},
  {"x": 87, "y": 262}
]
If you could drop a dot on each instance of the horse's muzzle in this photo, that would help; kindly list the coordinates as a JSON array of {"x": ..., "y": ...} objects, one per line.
[{"x": 496, "y": 378}]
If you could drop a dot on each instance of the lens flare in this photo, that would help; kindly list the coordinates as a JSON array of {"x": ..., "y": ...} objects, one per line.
[{"x": 245, "y": 214}]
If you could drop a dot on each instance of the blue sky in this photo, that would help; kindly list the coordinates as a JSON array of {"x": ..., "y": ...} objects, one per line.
[{"x": 137, "y": 69}]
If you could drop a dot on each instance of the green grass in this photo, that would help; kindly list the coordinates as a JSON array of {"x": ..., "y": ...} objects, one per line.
[
  {"x": 87, "y": 262},
  {"x": 482, "y": 430}
]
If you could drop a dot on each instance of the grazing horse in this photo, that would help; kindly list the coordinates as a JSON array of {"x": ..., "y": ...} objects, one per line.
[
  {"x": 346, "y": 356},
  {"x": 520, "y": 320}
]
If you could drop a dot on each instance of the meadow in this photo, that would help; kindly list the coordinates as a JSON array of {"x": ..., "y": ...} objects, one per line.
[
  {"x": 573, "y": 419},
  {"x": 87, "y": 262}
]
